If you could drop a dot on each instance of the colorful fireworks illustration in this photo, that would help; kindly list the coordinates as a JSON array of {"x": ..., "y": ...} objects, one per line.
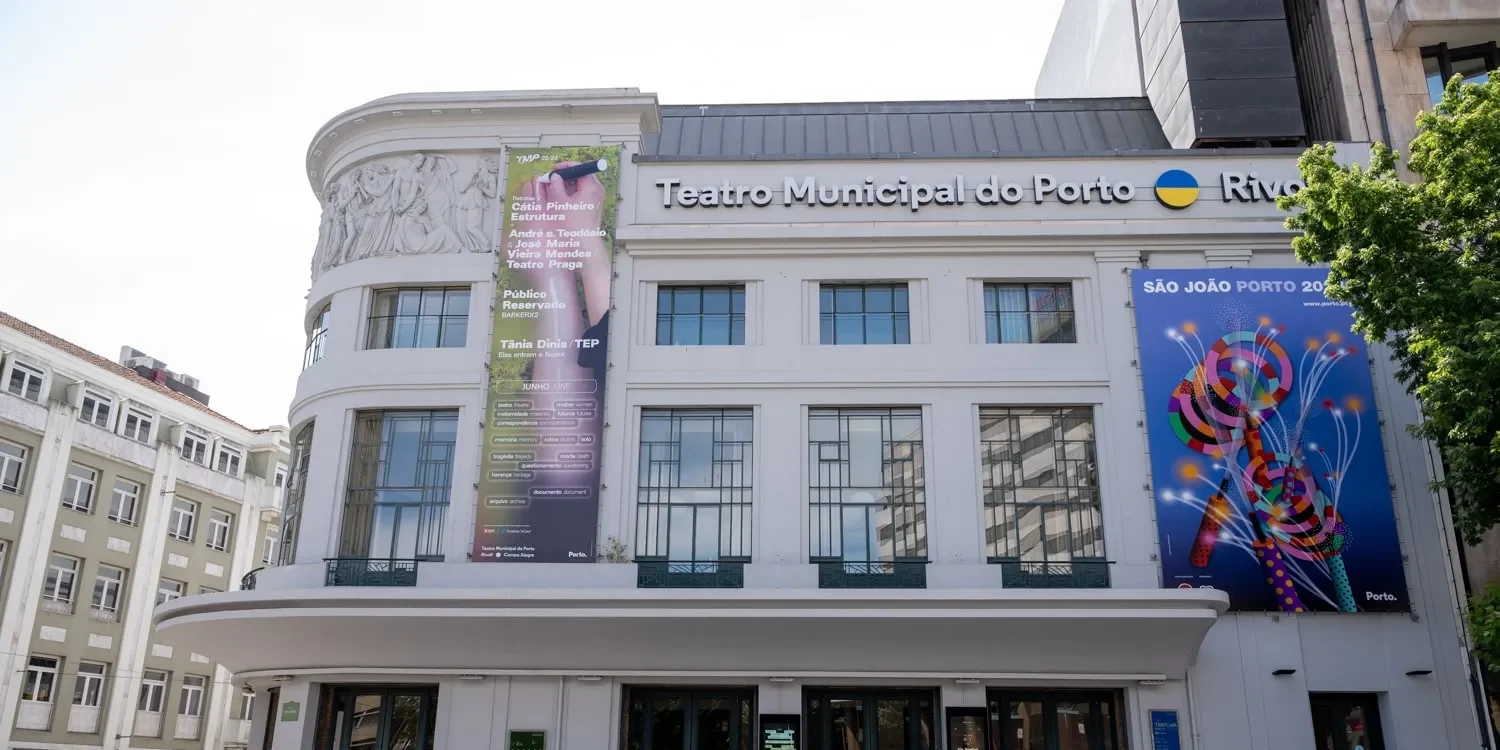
[{"x": 1263, "y": 487}]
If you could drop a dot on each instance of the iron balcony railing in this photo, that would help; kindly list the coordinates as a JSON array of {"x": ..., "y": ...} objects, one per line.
[
  {"x": 247, "y": 582},
  {"x": 902, "y": 573},
  {"x": 1089, "y": 573},
  {"x": 685, "y": 574},
  {"x": 367, "y": 571}
]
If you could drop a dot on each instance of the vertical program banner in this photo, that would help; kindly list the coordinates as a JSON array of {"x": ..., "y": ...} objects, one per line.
[
  {"x": 1266, "y": 458},
  {"x": 539, "y": 478}
]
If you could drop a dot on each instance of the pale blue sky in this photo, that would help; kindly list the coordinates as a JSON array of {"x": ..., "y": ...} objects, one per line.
[{"x": 153, "y": 194}]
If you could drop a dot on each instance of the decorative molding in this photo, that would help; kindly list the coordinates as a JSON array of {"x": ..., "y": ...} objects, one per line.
[
  {"x": 161, "y": 650},
  {"x": 7, "y": 515},
  {"x": 177, "y": 561},
  {"x": 116, "y": 544},
  {"x": 199, "y": 658},
  {"x": 72, "y": 533},
  {"x": 56, "y": 635},
  {"x": 419, "y": 204},
  {"x": 214, "y": 569},
  {"x": 101, "y": 641}
]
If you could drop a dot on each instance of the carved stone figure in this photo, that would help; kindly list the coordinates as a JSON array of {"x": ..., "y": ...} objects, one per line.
[{"x": 409, "y": 205}]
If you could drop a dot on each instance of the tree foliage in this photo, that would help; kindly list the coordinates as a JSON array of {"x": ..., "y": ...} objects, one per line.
[{"x": 1420, "y": 264}]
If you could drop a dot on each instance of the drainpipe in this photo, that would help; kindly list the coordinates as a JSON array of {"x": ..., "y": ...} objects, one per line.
[{"x": 1385, "y": 127}]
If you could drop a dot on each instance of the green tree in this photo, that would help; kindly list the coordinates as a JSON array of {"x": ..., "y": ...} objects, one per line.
[{"x": 1420, "y": 264}]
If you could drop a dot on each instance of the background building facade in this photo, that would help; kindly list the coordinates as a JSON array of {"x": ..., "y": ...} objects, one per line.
[
  {"x": 119, "y": 492},
  {"x": 873, "y": 461}
]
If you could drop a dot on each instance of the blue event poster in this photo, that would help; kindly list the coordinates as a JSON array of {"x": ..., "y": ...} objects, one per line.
[{"x": 1267, "y": 468}]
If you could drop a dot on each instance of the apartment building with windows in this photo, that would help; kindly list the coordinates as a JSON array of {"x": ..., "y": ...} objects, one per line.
[
  {"x": 873, "y": 459},
  {"x": 119, "y": 493}
]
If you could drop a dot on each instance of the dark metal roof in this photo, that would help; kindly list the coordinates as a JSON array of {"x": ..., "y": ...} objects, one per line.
[{"x": 904, "y": 130}]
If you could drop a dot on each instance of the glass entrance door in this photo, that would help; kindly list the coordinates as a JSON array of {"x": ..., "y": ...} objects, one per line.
[
  {"x": 870, "y": 719},
  {"x": 1053, "y": 720},
  {"x": 689, "y": 719},
  {"x": 389, "y": 717},
  {"x": 1346, "y": 721}
]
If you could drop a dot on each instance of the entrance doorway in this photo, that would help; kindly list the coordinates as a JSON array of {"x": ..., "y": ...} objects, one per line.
[
  {"x": 1346, "y": 721},
  {"x": 385, "y": 717},
  {"x": 1054, "y": 720},
  {"x": 853, "y": 719},
  {"x": 689, "y": 718}
]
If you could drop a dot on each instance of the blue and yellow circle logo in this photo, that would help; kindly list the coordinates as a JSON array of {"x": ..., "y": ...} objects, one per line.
[{"x": 1176, "y": 189}]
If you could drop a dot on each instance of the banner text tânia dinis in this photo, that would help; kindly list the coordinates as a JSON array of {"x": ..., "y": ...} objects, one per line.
[
  {"x": 539, "y": 478},
  {"x": 1266, "y": 458}
]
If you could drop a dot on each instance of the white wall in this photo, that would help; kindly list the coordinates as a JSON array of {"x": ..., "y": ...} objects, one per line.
[{"x": 1093, "y": 52}]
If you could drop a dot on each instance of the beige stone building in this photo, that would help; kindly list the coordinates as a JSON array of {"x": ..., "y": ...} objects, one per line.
[{"x": 119, "y": 489}]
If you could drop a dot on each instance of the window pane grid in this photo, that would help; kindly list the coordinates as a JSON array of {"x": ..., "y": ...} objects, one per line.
[
  {"x": 1041, "y": 498},
  {"x": 399, "y": 484},
  {"x": 1029, "y": 314},
  {"x": 693, "y": 501},
  {"x": 296, "y": 491},
  {"x": 316, "y": 340},
  {"x": 12, "y": 467},
  {"x": 419, "y": 319},
  {"x": 700, "y": 316},
  {"x": 863, "y": 314},
  {"x": 867, "y": 499}
]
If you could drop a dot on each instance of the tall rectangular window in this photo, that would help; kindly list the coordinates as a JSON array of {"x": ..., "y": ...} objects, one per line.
[
  {"x": 195, "y": 446},
  {"x": 419, "y": 319},
  {"x": 180, "y": 524},
  {"x": 88, "y": 687},
  {"x": 220, "y": 529},
  {"x": 97, "y": 408},
  {"x": 296, "y": 490},
  {"x": 863, "y": 314},
  {"x": 62, "y": 574},
  {"x": 279, "y": 482},
  {"x": 190, "y": 700},
  {"x": 1041, "y": 484},
  {"x": 1029, "y": 314},
  {"x": 25, "y": 381},
  {"x": 153, "y": 691},
  {"x": 41, "y": 679},
  {"x": 137, "y": 425},
  {"x": 12, "y": 467},
  {"x": 244, "y": 710},
  {"x": 317, "y": 338},
  {"x": 868, "y": 497},
  {"x": 400, "y": 477},
  {"x": 700, "y": 315},
  {"x": 78, "y": 488},
  {"x": 694, "y": 485},
  {"x": 123, "y": 501},
  {"x": 228, "y": 458},
  {"x": 169, "y": 590},
  {"x": 109, "y": 588},
  {"x": 268, "y": 548}
]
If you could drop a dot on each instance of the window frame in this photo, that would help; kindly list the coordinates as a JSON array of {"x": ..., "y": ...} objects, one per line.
[
  {"x": 141, "y": 418},
  {"x": 734, "y": 317},
  {"x": 194, "y": 447},
  {"x": 229, "y": 459},
  {"x": 269, "y": 545},
  {"x": 296, "y": 489},
  {"x": 730, "y": 476},
  {"x": 102, "y": 586},
  {"x": 1446, "y": 56},
  {"x": 378, "y": 336},
  {"x": 245, "y": 707},
  {"x": 190, "y": 695},
  {"x": 72, "y": 483},
  {"x": 994, "y": 316},
  {"x": 12, "y": 465},
  {"x": 33, "y": 380},
  {"x": 317, "y": 337},
  {"x": 53, "y": 585},
  {"x": 1100, "y": 736},
  {"x": 115, "y": 502},
  {"x": 830, "y": 312},
  {"x": 829, "y": 474},
  {"x": 217, "y": 527},
  {"x": 89, "y": 679},
  {"x": 100, "y": 412},
  {"x": 1080, "y": 498},
  {"x": 153, "y": 690},
  {"x": 176, "y": 513},
  {"x": 164, "y": 594},
  {"x": 369, "y": 479},
  {"x": 37, "y": 674}
]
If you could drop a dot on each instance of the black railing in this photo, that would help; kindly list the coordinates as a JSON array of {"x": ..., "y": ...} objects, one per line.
[
  {"x": 874, "y": 574},
  {"x": 367, "y": 571},
  {"x": 247, "y": 583},
  {"x": 1077, "y": 574},
  {"x": 681, "y": 574}
]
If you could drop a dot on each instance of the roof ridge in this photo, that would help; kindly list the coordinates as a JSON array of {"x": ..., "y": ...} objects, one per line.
[{"x": 57, "y": 342}]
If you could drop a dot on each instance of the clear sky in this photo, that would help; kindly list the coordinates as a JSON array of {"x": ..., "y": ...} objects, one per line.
[{"x": 152, "y": 191}]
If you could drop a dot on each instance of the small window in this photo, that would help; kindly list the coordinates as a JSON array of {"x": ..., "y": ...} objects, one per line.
[
  {"x": 12, "y": 467},
  {"x": 1029, "y": 314},
  {"x": 184, "y": 515},
  {"x": 109, "y": 587},
  {"x": 78, "y": 488},
  {"x": 190, "y": 701},
  {"x": 137, "y": 425},
  {"x": 195, "y": 446},
  {"x": 246, "y": 705},
  {"x": 268, "y": 548},
  {"x": 419, "y": 319},
  {"x": 863, "y": 314},
  {"x": 88, "y": 688},
  {"x": 208, "y": 590},
  {"x": 41, "y": 679},
  {"x": 700, "y": 316},
  {"x": 123, "y": 501},
  {"x": 228, "y": 458},
  {"x": 153, "y": 691},
  {"x": 220, "y": 525},
  {"x": 280, "y": 483},
  {"x": 1441, "y": 62},
  {"x": 25, "y": 381},
  {"x": 97, "y": 408},
  {"x": 169, "y": 590},
  {"x": 62, "y": 573},
  {"x": 317, "y": 338}
]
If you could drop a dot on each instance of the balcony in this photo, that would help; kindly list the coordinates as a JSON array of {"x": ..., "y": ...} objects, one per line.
[
  {"x": 187, "y": 727},
  {"x": 83, "y": 719},
  {"x": 364, "y": 571},
  {"x": 701, "y": 574},
  {"x": 56, "y": 606},
  {"x": 873, "y": 574},
  {"x": 147, "y": 724},
  {"x": 35, "y": 715},
  {"x": 104, "y": 615},
  {"x": 247, "y": 582},
  {"x": 1077, "y": 574}
]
